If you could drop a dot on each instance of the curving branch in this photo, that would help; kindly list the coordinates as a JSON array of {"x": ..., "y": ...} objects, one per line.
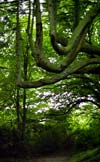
[
  {"x": 79, "y": 101},
  {"x": 56, "y": 78}
]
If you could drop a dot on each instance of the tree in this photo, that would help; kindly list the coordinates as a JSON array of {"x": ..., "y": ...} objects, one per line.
[
  {"x": 74, "y": 47},
  {"x": 78, "y": 46}
]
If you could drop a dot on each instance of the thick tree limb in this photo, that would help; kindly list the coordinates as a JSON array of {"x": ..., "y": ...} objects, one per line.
[
  {"x": 89, "y": 70},
  {"x": 90, "y": 49},
  {"x": 57, "y": 77}
]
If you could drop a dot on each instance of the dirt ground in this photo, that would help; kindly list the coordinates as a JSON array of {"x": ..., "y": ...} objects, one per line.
[{"x": 48, "y": 158}]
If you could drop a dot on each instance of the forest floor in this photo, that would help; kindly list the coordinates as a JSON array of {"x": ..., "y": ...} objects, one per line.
[{"x": 58, "y": 157}]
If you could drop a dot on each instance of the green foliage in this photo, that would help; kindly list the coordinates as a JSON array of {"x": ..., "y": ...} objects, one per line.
[
  {"x": 84, "y": 127},
  {"x": 87, "y": 156}
]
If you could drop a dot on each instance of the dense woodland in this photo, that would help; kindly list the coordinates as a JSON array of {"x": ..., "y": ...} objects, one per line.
[{"x": 50, "y": 78}]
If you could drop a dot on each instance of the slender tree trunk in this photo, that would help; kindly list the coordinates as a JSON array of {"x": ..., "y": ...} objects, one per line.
[
  {"x": 24, "y": 93},
  {"x": 18, "y": 108},
  {"x": 24, "y": 115},
  {"x": 18, "y": 71},
  {"x": 25, "y": 72}
]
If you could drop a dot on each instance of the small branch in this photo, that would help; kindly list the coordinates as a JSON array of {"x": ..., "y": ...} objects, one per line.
[
  {"x": 3, "y": 67},
  {"x": 8, "y": 2}
]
